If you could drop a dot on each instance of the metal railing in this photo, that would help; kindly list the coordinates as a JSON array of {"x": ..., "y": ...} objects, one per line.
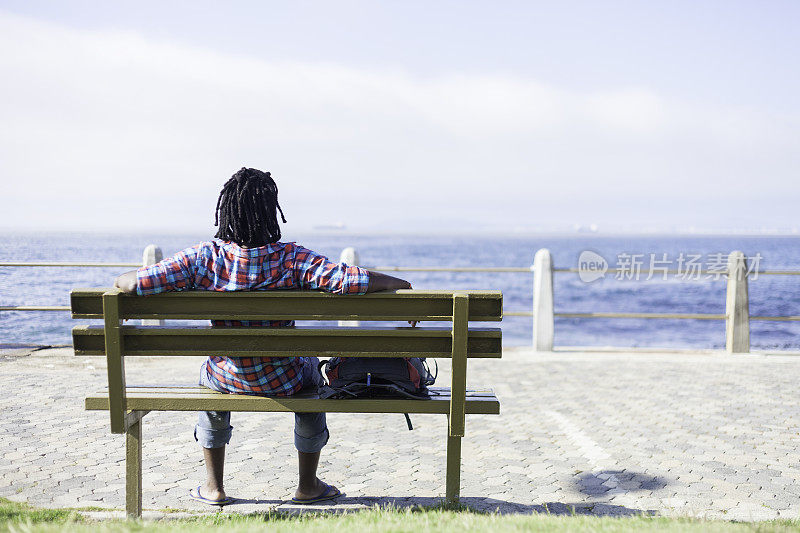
[
  {"x": 55, "y": 264},
  {"x": 736, "y": 315},
  {"x": 69, "y": 264}
]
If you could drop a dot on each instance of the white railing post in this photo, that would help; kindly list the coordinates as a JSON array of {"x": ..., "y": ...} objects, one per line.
[
  {"x": 737, "y": 306},
  {"x": 543, "y": 301},
  {"x": 152, "y": 255},
  {"x": 349, "y": 256}
]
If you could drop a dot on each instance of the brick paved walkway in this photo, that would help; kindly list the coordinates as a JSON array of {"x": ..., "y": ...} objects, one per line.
[{"x": 706, "y": 435}]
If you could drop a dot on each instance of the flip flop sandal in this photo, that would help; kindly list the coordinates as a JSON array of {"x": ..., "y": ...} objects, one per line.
[
  {"x": 329, "y": 493},
  {"x": 195, "y": 495}
]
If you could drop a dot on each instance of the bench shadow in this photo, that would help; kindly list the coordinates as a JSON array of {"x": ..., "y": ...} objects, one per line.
[
  {"x": 467, "y": 505},
  {"x": 247, "y": 501},
  {"x": 593, "y": 484}
]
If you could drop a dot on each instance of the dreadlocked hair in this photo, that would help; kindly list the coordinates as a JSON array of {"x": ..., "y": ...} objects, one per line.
[{"x": 246, "y": 209}]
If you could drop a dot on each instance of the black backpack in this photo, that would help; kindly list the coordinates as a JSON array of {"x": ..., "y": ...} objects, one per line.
[{"x": 377, "y": 377}]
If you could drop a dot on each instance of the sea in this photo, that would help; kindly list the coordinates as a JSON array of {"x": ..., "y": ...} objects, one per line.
[{"x": 629, "y": 290}]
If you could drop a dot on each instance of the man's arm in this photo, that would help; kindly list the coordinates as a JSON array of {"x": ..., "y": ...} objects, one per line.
[
  {"x": 377, "y": 282},
  {"x": 382, "y": 282},
  {"x": 171, "y": 274},
  {"x": 126, "y": 282}
]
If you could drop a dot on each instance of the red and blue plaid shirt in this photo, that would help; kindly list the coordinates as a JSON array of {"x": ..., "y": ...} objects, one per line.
[{"x": 225, "y": 266}]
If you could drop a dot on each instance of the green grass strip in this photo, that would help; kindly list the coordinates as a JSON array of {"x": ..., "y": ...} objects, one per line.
[{"x": 19, "y": 518}]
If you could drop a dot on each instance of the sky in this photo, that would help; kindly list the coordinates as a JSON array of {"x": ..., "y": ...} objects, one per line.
[{"x": 403, "y": 116}]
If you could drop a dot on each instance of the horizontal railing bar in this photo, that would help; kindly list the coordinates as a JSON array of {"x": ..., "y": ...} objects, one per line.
[
  {"x": 517, "y": 313},
  {"x": 70, "y": 264},
  {"x": 777, "y": 318},
  {"x": 575, "y": 270},
  {"x": 690, "y": 273},
  {"x": 389, "y": 268},
  {"x": 645, "y": 271},
  {"x": 449, "y": 269},
  {"x": 694, "y": 316},
  {"x": 34, "y": 308},
  {"x": 434, "y": 269}
]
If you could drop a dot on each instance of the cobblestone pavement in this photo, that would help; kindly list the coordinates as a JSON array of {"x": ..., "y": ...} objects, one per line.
[{"x": 705, "y": 435}]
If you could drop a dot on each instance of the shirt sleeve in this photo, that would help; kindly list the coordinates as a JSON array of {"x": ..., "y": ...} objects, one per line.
[
  {"x": 172, "y": 274},
  {"x": 314, "y": 271}
]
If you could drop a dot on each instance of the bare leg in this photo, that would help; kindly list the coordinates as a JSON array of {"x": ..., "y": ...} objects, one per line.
[
  {"x": 215, "y": 466},
  {"x": 310, "y": 485}
]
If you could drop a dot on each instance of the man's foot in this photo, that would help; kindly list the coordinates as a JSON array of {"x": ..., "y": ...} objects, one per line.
[
  {"x": 321, "y": 491},
  {"x": 211, "y": 496}
]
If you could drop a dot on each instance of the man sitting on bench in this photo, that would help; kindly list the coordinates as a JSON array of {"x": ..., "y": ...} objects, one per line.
[{"x": 249, "y": 256}]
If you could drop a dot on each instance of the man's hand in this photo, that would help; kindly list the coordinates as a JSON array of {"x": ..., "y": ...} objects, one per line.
[
  {"x": 383, "y": 282},
  {"x": 126, "y": 282}
]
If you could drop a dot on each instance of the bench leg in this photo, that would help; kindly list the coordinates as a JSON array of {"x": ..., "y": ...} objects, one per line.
[
  {"x": 453, "y": 483},
  {"x": 133, "y": 470}
]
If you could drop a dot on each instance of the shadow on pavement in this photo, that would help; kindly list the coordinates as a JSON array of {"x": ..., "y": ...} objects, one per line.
[
  {"x": 599, "y": 483},
  {"x": 469, "y": 505}
]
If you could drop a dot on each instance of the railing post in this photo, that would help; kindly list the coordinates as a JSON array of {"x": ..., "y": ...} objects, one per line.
[
  {"x": 543, "y": 301},
  {"x": 737, "y": 306},
  {"x": 349, "y": 256},
  {"x": 152, "y": 255}
]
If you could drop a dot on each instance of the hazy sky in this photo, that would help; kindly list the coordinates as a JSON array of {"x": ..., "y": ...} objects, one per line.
[{"x": 406, "y": 116}]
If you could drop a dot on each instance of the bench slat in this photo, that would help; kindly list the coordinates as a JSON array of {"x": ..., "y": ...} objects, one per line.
[
  {"x": 202, "y": 399},
  {"x": 289, "y": 342},
  {"x": 195, "y": 389},
  {"x": 291, "y": 305}
]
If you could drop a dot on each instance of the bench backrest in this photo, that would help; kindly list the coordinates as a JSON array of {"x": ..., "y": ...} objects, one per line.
[{"x": 116, "y": 341}]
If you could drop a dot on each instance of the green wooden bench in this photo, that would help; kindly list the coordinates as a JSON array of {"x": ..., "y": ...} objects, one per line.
[{"x": 128, "y": 404}]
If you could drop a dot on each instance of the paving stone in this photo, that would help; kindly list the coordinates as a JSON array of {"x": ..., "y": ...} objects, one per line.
[
  {"x": 780, "y": 504},
  {"x": 675, "y": 434}
]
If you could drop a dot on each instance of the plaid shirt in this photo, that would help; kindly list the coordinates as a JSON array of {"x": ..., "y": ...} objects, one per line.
[{"x": 224, "y": 266}]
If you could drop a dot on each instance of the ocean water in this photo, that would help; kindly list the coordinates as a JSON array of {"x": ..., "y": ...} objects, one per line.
[{"x": 769, "y": 295}]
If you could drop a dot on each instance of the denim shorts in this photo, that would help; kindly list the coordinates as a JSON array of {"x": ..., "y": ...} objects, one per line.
[{"x": 214, "y": 428}]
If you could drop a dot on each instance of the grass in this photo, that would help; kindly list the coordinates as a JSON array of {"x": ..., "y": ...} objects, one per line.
[
  {"x": 11, "y": 512},
  {"x": 16, "y": 517}
]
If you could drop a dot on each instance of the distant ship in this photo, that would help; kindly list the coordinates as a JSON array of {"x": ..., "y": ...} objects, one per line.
[
  {"x": 591, "y": 228},
  {"x": 338, "y": 226}
]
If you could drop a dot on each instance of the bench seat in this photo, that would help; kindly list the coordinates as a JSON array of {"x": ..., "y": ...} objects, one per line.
[{"x": 197, "y": 398}]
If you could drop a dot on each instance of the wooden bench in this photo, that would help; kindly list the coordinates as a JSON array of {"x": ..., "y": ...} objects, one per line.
[{"x": 128, "y": 404}]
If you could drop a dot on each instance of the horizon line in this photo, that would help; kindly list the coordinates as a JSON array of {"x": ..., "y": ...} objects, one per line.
[{"x": 443, "y": 233}]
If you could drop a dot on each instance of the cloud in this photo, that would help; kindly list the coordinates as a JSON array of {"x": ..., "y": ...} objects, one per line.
[{"x": 113, "y": 129}]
